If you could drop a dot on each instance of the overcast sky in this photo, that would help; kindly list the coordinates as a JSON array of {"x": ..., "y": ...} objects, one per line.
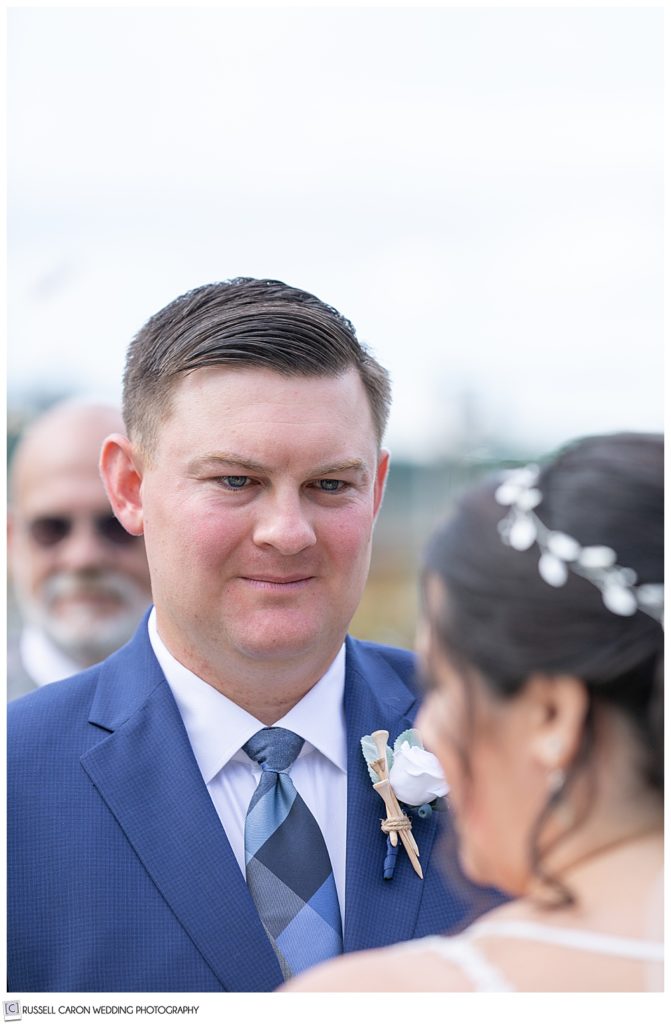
[{"x": 479, "y": 190}]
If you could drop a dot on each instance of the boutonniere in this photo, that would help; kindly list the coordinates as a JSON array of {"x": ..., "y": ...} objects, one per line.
[{"x": 409, "y": 774}]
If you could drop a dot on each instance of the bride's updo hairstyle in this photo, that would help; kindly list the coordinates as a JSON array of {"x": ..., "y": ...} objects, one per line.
[{"x": 503, "y": 619}]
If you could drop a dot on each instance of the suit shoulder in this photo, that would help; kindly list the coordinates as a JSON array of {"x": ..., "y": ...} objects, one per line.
[
  {"x": 402, "y": 661},
  {"x": 61, "y": 702}
]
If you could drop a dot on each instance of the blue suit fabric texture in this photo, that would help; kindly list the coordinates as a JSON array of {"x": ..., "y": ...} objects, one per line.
[{"x": 120, "y": 877}]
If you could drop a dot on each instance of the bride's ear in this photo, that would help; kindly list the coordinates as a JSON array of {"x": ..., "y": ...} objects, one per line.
[
  {"x": 120, "y": 469},
  {"x": 560, "y": 707}
]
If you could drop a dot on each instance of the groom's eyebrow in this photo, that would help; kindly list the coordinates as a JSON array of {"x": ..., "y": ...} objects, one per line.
[
  {"x": 347, "y": 466},
  {"x": 215, "y": 461}
]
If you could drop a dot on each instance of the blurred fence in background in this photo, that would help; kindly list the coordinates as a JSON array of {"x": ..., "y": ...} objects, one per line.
[{"x": 418, "y": 497}]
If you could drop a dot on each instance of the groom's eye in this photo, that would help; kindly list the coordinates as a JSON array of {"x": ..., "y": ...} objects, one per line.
[
  {"x": 234, "y": 483},
  {"x": 330, "y": 486}
]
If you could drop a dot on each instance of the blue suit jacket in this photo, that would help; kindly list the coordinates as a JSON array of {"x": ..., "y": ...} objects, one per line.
[{"x": 120, "y": 876}]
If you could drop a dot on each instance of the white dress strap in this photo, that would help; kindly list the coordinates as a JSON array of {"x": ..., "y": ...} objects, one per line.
[
  {"x": 572, "y": 938},
  {"x": 472, "y": 963}
]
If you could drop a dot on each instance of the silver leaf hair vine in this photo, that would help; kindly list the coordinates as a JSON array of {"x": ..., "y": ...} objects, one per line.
[{"x": 561, "y": 554}]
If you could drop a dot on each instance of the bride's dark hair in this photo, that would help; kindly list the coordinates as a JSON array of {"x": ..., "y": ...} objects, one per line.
[{"x": 502, "y": 619}]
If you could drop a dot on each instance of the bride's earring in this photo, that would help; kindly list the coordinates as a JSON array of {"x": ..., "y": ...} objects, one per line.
[
  {"x": 556, "y": 781},
  {"x": 554, "y": 749}
]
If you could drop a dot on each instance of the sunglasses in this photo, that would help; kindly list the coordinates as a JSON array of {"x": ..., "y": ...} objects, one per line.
[{"x": 48, "y": 531}]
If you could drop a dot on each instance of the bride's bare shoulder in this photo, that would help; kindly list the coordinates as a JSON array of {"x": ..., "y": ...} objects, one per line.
[{"x": 409, "y": 969}]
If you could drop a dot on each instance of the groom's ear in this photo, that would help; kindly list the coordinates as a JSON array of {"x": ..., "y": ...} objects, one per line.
[
  {"x": 381, "y": 474},
  {"x": 121, "y": 472}
]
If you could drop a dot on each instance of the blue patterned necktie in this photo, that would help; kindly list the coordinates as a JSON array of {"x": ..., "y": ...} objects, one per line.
[{"x": 289, "y": 873}]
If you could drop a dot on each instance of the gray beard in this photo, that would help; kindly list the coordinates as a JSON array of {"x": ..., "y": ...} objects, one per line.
[{"x": 84, "y": 634}]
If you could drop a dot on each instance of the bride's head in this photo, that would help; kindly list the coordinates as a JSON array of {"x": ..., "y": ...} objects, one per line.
[{"x": 541, "y": 647}]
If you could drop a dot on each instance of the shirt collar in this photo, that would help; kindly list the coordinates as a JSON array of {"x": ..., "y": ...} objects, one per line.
[
  {"x": 319, "y": 717},
  {"x": 217, "y": 727}
]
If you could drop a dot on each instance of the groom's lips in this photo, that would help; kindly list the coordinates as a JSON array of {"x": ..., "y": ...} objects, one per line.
[{"x": 281, "y": 584}]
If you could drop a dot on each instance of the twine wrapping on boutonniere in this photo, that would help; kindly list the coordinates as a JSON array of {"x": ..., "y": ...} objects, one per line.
[{"x": 407, "y": 773}]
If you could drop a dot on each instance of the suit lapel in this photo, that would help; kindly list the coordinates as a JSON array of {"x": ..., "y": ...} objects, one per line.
[
  {"x": 377, "y": 913},
  {"x": 147, "y": 775}
]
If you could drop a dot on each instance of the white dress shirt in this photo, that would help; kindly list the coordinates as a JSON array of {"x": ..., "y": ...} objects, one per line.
[{"x": 218, "y": 729}]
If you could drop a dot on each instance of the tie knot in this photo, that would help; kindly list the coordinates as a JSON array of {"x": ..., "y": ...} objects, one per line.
[{"x": 273, "y": 748}]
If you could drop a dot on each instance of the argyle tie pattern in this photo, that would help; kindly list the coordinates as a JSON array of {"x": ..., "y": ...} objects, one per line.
[{"x": 289, "y": 872}]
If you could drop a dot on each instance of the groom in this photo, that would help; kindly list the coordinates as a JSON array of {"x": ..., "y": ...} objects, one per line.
[{"x": 194, "y": 814}]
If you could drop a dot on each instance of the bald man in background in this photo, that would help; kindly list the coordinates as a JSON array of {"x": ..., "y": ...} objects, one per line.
[{"x": 80, "y": 580}]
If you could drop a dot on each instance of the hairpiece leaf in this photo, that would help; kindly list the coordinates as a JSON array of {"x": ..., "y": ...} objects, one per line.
[{"x": 560, "y": 553}]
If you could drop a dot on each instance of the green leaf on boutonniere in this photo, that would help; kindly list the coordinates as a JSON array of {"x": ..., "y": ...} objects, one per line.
[
  {"x": 369, "y": 751},
  {"x": 410, "y": 736}
]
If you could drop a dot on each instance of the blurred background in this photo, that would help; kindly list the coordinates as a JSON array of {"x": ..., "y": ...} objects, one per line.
[{"x": 478, "y": 189}]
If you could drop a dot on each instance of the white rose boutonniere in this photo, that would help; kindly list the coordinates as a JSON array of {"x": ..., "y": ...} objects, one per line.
[
  {"x": 410, "y": 774},
  {"x": 416, "y": 776}
]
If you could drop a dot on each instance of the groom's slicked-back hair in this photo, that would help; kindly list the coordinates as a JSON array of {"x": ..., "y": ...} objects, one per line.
[{"x": 242, "y": 322}]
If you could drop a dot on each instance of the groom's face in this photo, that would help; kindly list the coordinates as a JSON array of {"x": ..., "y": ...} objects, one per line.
[{"x": 258, "y": 506}]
